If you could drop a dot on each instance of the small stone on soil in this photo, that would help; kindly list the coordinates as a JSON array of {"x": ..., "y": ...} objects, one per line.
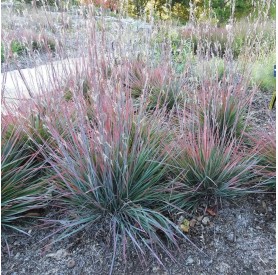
[
  {"x": 71, "y": 263},
  {"x": 223, "y": 268},
  {"x": 189, "y": 261},
  {"x": 205, "y": 221},
  {"x": 155, "y": 269},
  {"x": 192, "y": 223},
  {"x": 17, "y": 255},
  {"x": 61, "y": 253},
  {"x": 231, "y": 237},
  {"x": 16, "y": 243}
]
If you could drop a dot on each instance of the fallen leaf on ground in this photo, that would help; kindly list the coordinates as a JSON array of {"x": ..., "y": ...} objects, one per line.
[
  {"x": 60, "y": 254},
  {"x": 185, "y": 226},
  {"x": 211, "y": 211},
  {"x": 192, "y": 223}
]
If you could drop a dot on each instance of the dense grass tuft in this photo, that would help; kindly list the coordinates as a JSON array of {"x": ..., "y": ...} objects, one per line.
[
  {"x": 265, "y": 143},
  {"x": 112, "y": 168},
  {"x": 208, "y": 167},
  {"x": 22, "y": 187}
]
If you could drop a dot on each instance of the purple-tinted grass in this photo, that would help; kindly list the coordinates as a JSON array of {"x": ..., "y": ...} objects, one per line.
[
  {"x": 111, "y": 167},
  {"x": 210, "y": 167},
  {"x": 22, "y": 185},
  {"x": 226, "y": 106},
  {"x": 209, "y": 156},
  {"x": 265, "y": 144}
]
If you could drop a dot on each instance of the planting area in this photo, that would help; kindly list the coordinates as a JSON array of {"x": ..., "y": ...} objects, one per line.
[{"x": 136, "y": 146}]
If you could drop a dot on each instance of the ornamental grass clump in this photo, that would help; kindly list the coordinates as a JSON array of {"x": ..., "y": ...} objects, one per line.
[
  {"x": 33, "y": 116},
  {"x": 253, "y": 42},
  {"x": 206, "y": 39},
  {"x": 112, "y": 170},
  {"x": 22, "y": 43},
  {"x": 262, "y": 72},
  {"x": 265, "y": 144},
  {"x": 209, "y": 149},
  {"x": 210, "y": 68},
  {"x": 226, "y": 105},
  {"x": 208, "y": 167},
  {"x": 159, "y": 85},
  {"x": 22, "y": 186}
]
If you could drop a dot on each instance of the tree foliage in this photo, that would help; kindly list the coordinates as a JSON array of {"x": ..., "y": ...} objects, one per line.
[{"x": 221, "y": 10}]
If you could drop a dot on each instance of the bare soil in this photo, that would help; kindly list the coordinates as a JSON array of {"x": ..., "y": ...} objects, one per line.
[{"x": 240, "y": 239}]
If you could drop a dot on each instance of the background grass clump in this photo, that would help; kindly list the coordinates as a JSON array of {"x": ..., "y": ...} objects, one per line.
[
  {"x": 263, "y": 73},
  {"x": 265, "y": 145},
  {"x": 23, "y": 43}
]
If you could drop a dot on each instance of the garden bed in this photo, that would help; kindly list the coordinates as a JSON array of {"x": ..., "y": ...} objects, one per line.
[{"x": 155, "y": 146}]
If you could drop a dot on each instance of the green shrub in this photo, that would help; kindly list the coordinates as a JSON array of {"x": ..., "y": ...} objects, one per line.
[
  {"x": 238, "y": 44},
  {"x": 40, "y": 45},
  {"x": 30, "y": 42},
  {"x": 18, "y": 47},
  {"x": 2, "y": 53},
  {"x": 262, "y": 73}
]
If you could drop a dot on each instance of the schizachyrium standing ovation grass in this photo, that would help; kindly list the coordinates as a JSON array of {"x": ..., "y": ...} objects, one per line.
[
  {"x": 22, "y": 184},
  {"x": 226, "y": 105},
  {"x": 265, "y": 144},
  {"x": 112, "y": 169},
  {"x": 209, "y": 154},
  {"x": 210, "y": 167}
]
